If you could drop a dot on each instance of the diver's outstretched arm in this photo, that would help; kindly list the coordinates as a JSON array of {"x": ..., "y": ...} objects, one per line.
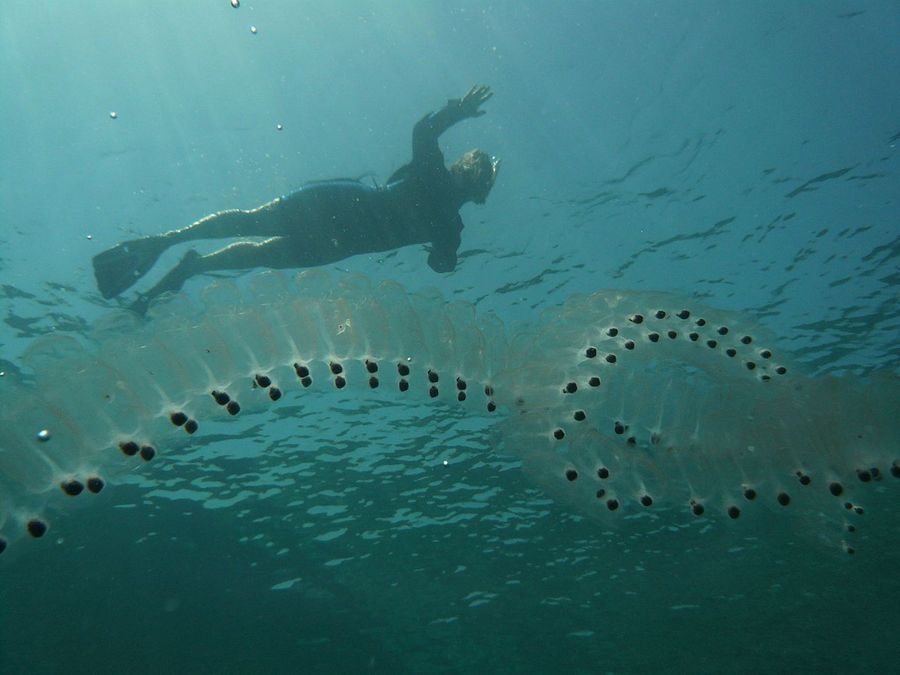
[{"x": 429, "y": 128}]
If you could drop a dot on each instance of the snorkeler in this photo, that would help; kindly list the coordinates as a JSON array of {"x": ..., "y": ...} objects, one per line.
[{"x": 326, "y": 221}]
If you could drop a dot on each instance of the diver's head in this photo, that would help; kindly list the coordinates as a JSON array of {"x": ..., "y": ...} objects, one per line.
[{"x": 474, "y": 174}]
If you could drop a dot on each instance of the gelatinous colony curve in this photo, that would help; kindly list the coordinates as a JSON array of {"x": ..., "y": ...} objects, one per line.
[{"x": 628, "y": 405}]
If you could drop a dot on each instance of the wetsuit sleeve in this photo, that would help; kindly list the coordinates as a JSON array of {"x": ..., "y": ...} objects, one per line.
[
  {"x": 442, "y": 257},
  {"x": 429, "y": 129}
]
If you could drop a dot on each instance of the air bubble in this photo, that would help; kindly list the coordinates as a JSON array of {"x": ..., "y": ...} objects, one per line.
[{"x": 43, "y": 435}]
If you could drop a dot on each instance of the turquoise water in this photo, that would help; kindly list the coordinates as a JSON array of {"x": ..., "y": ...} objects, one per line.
[{"x": 743, "y": 154}]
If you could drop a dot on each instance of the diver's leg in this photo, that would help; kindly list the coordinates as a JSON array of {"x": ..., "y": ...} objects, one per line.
[
  {"x": 270, "y": 219},
  {"x": 118, "y": 268},
  {"x": 276, "y": 252}
]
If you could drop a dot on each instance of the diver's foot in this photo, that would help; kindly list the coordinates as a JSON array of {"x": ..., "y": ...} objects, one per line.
[{"x": 173, "y": 281}]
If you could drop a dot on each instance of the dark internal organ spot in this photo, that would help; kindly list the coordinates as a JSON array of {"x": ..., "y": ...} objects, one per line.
[
  {"x": 36, "y": 528},
  {"x": 220, "y": 397},
  {"x": 129, "y": 448},
  {"x": 303, "y": 374},
  {"x": 72, "y": 487}
]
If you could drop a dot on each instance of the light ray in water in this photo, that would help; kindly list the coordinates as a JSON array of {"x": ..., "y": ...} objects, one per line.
[{"x": 639, "y": 409}]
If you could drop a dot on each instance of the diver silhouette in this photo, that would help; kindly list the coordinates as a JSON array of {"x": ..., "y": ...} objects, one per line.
[{"x": 326, "y": 221}]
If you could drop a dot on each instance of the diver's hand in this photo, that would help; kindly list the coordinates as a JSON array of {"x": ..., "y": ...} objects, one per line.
[{"x": 468, "y": 105}]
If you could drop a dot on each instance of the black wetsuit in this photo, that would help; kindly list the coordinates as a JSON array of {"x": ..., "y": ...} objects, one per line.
[{"x": 340, "y": 218}]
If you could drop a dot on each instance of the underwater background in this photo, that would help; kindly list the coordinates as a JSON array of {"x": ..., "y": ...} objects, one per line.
[{"x": 741, "y": 152}]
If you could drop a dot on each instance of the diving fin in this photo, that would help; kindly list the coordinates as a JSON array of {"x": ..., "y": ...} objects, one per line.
[{"x": 118, "y": 268}]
